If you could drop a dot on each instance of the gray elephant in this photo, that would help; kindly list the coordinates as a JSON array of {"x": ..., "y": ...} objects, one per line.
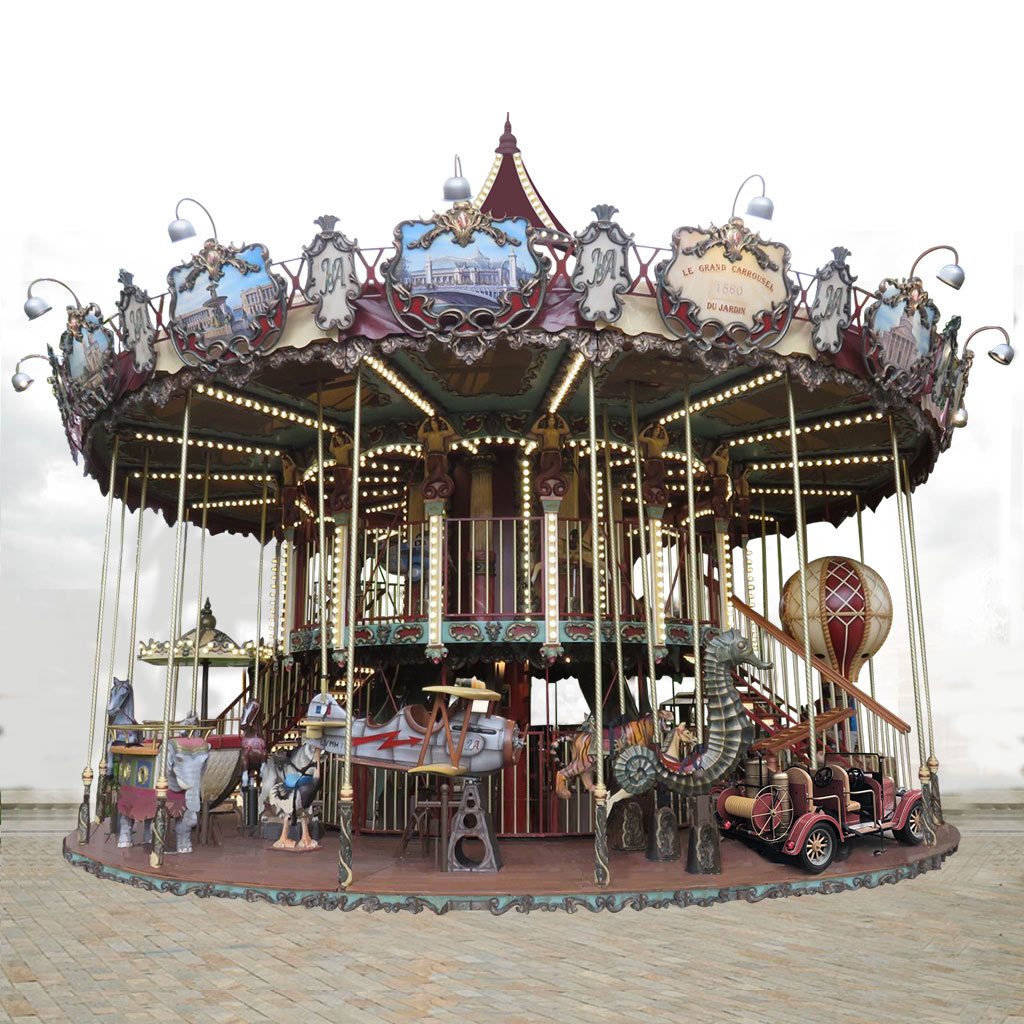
[{"x": 186, "y": 762}]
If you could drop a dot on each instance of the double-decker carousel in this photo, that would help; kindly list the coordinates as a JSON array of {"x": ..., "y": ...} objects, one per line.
[{"x": 498, "y": 463}]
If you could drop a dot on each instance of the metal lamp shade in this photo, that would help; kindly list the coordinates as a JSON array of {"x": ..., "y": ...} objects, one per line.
[
  {"x": 1002, "y": 353},
  {"x": 180, "y": 229},
  {"x": 35, "y": 307},
  {"x": 952, "y": 274},
  {"x": 761, "y": 206},
  {"x": 456, "y": 189},
  {"x": 21, "y": 381}
]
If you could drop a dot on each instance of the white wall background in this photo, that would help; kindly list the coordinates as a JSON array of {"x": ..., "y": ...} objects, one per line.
[{"x": 882, "y": 129}]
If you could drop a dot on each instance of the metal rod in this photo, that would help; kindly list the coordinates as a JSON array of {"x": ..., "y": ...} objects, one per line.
[
  {"x": 614, "y": 569},
  {"x": 259, "y": 583},
  {"x": 322, "y": 543},
  {"x": 801, "y": 554},
  {"x": 199, "y": 586},
  {"x": 920, "y": 620},
  {"x": 645, "y": 569},
  {"x": 692, "y": 569},
  {"x": 871, "y": 660},
  {"x": 138, "y": 566},
  {"x": 117, "y": 587},
  {"x": 357, "y": 419},
  {"x": 156, "y": 856}
]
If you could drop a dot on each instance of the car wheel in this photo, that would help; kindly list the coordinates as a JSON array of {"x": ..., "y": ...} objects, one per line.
[
  {"x": 819, "y": 848},
  {"x": 912, "y": 832}
]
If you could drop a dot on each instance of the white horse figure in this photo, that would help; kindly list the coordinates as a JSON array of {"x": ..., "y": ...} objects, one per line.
[{"x": 291, "y": 782}]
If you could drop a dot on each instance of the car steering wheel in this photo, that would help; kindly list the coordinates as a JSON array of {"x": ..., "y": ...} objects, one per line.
[
  {"x": 856, "y": 778},
  {"x": 823, "y": 776}
]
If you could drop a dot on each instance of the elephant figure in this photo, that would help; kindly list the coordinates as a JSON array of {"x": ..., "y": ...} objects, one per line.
[{"x": 186, "y": 762}]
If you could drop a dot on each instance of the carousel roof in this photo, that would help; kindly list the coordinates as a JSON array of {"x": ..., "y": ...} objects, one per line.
[
  {"x": 216, "y": 648},
  {"x": 255, "y": 410}
]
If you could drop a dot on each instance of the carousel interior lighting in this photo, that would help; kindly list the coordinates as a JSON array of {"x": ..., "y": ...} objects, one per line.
[
  {"x": 234, "y": 477},
  {"x": 201, "y": 442},
  {"x": 951, "y": 274},
  {"x": 526, "y": 501},
  {"x": 807, "y": 492},
  {"x": 722, "y": 396},
  {"x": 411, "y": 450},
  {"x": 402, "y": 387},
  {"x": 244, "y": 402},
  {"x": 841, "y": 460},
  {"x": 233, "y": 503},
  {"x": 810, "y": 428},
  {"x": 563, "y": 389}
]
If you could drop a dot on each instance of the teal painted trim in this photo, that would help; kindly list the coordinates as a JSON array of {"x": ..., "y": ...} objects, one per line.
[{"x": 331, "y": 899}]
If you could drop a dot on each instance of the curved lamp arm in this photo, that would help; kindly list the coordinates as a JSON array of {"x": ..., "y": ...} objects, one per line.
[
  {"x": 20, "y": 380},
  {"x": 188, "y": 199},
  {"x": 740, "y": 189},
  {"x": 1002, "y": 354},
  {"x": 52, "y": 280},
  {"x": 935, "y": 248}
]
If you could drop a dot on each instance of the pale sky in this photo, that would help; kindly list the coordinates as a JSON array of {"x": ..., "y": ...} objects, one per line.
[{"x": 273, "y": 115}]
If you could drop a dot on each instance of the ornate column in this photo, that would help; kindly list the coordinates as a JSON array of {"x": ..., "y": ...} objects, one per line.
[
  {"x": 436, "y": 434},
  {"x": 552, "y": 485}
]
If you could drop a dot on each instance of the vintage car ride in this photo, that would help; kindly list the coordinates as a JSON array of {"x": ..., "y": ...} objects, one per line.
[{"x": 810, "y": 818}]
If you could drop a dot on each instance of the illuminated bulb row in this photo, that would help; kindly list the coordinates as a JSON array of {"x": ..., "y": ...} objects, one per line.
[
  {"x": 434, "y": 582},
  {"x": 844, "y": 460},
  {"x": 526, "y": 501},
  {"x": 285, "y": 561},
  {"x": 466, "y": 442},
  {"x": 658, "y": 581},
  {"x": 244, "y": 477},
  {"x": 394, "y": 506},
  {"x": 199, "y": 442},
  {"x": 262, "y": 407},
  {"x": 401, "y": 386},
  {"x": 701, "y": 513},
  {"x": 336, "y": 580},
  {"x": 727, "y": 581},
  {"x": 563, "y": 388},
  {"x": 723, "y": 396},
  {"x": 551, "y": 575},
  {"x": 598, "y": 548},
  {"x": 273, "y": 596},
  {"x": 807, "y": 492},
  {"x": 235, "y": 503},
  {"x": 811, "y": 428},
  {"x": 617, "y": 446},
  {"x": 412, "y": 450}
]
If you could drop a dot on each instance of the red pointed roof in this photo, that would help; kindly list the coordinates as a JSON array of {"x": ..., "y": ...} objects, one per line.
[{"x": 509, "y": 190}]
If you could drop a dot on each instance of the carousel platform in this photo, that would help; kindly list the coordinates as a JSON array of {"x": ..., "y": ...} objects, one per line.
[{"x": 539, "y": 874}]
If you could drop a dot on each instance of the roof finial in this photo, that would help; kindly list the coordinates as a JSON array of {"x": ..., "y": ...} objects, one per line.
[{"x": 507, "y": 142}]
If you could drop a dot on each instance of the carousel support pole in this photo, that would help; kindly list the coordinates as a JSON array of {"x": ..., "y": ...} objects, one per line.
[
  {"x": 102, "y": 786},
  {"x": 172, "y": 648},
  {"x": 801, "y": 555},
  {"x": 196, "y": 636},
  {"x": 932, "y": 762},
  {"x": 602, "y": 868},
  {"x": 923, "y": 772},
  {"x": 645, "y": 571},
  {"x": 614, "y": 573},
  {"x": 703, "y": 852},
  {"x": 346, "y": 797},
  {"x": 871, "y": 660},
  {"x": 83, "y": 810},
  {"x": 156, "y": 856}
]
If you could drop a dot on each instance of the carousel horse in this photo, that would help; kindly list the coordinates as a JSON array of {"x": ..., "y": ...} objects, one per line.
[
  {"x": 254, "y": 746},
  {"x": 291, "y": 782},
  {"x": 120, "y": 711},
  {"x": 186, "y": 762},
  {"x": 616, "y": 739}
]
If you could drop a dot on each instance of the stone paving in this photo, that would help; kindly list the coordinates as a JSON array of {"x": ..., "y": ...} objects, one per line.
[{"x": 946, "y": 947}]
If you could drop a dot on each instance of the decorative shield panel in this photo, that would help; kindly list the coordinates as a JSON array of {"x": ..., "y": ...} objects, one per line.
[
  {"x": 87, "y": 348},
  {"x": 465, "y": 279},
  {"x": 900, "y": 337},
  {"x": 226, "y": 305},
  {"x": 831, "y": 311},
  {"x": 601, "y": 271},
  {"x": 726, "y": 287},
  {"x": 138, "y": 332},
  {"x": 331, "y": 276}
]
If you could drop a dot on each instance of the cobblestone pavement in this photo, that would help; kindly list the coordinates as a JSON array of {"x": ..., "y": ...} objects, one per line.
[{"x": 946, "y": 947}]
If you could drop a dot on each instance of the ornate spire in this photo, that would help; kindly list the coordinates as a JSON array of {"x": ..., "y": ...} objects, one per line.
[{"x": 507, "y": 143}]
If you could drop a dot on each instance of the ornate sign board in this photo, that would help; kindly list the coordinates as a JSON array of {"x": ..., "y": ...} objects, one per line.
[
  {"x": 900, "y": 337},
  {"x": 948, "y": 378},
  {"x": 138, "y": 332},
  {"x": 87, "y": 350},
  {"x": 601, "y": 271},
  {"x": 726, "y": 287},
  {"x": 331, "y": 282},
  {"x": 832, "y": 309},
  {"x": 226, "y": 305},
  {"x": 465, "y": 279}
]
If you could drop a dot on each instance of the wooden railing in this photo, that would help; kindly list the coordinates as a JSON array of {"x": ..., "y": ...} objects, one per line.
[{"x": 827, "y": 672}]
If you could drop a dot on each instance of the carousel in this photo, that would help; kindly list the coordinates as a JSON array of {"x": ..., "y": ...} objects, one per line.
[{"x": 527, "y": 498}]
